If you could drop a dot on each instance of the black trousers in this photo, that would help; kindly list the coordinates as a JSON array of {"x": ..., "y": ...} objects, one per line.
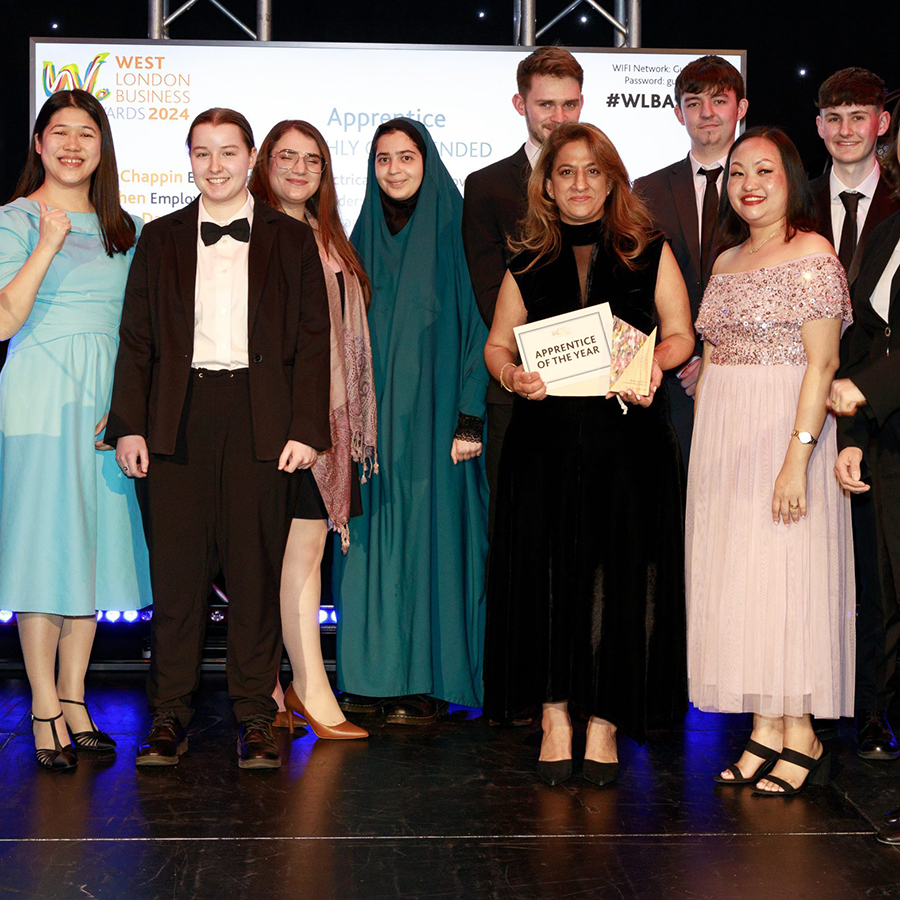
[{"x": 213, "y": 506}]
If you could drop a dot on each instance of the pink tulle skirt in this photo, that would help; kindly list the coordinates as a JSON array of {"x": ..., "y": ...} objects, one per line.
[{"x": 771, "y": 608}]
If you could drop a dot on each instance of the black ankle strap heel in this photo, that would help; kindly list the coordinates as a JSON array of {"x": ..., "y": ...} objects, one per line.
[
  {"x": 60, "y": 759},
  {"x": 90, "y": 740}
]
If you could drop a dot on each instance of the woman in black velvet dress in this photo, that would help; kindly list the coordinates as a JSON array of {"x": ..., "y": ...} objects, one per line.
[{"x": 586, "y": 583}]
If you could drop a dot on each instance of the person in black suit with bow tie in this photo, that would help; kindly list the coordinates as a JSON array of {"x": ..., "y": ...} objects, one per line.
[
  {"x": 852, "y": 199},
  {"x": 683, "y": 199},
  {"x": 866, "y": 397},
  {"x": 549, "y": 83},
  {"x": 221, "y": 392}
]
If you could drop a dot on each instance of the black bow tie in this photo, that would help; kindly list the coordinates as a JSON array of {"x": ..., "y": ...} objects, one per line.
[{"x": 239, "y": 229}]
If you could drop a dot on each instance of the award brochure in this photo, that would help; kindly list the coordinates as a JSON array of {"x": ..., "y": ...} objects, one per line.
[{"x": 587, "y": 353}]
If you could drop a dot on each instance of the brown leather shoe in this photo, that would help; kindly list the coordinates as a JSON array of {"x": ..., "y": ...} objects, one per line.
[
  {"x": 343, "y": 731},
  {"x": 256, "y": 747},
  {"x": 166, "y": 742},
  {"x": 417, "y": 709}
]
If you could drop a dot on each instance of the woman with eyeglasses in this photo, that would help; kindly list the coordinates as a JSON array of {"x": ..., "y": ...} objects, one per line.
[{"x": 293, "y": 174}]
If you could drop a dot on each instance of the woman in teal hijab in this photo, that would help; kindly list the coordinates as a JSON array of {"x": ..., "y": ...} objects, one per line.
[{"x": 411, "y": 589}]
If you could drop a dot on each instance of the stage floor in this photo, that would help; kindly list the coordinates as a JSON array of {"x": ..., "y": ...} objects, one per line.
[{"x": 451, "y": 811}]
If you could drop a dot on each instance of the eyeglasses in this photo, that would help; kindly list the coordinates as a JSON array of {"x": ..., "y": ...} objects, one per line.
[{"x": 287, "y": 159}]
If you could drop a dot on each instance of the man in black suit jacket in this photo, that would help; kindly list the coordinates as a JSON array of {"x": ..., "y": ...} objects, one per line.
[
  {"x": 549, "y": 82},
  {"x": 852, "y": 199},
  {"x": 683, "y": 199},
  {"x": 221, "y": 390}
]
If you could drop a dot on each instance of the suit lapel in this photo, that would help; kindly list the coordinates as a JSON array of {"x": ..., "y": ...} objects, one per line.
[
  {"x": 876, "y": 262},
  {"x": 682, "y": 187},
  {"x": 262, "y": 239},
  {"x": 521, "y": 170},
  {"x": 184, "y": 235}
]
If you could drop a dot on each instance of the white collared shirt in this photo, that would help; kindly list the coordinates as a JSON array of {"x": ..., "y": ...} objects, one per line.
[
  {"x": 532, "y": 151},
  {"x": 881, "y": 296},
  {"x": 865, "y": 189},
  {"x": 221, "y": 297},
  {"x": 699, "y": 173}
]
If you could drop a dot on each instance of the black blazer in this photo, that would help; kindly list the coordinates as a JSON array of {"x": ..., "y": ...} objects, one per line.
[
  {"x": 669, "y": 194},
  {"x": 882, "y": 206},
  {"x": 495, "y": 201},
  {"x": 873, "y": 351},
  {"x": 288, "y": 334}
]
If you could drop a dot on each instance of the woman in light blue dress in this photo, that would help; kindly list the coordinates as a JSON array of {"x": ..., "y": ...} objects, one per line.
[{"x": 70, "y": 529}]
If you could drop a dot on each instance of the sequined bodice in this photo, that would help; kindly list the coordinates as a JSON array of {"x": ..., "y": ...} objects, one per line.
[{"x": 754, "y": 318}]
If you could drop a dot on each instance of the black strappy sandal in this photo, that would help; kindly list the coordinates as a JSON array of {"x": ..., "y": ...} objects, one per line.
[
  {"x": 60, "y": 759},
  {"x": 90, "y": 740},
  {"x": 768, "y": 756},
  {"x": 819, "y": 773}
]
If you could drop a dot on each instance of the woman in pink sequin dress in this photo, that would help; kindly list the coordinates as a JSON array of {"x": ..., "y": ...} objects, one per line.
[{"x": 769, "y": 564}]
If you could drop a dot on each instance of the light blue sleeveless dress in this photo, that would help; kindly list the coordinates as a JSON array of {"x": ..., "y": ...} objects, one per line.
[{"x": 71, "y": 539}]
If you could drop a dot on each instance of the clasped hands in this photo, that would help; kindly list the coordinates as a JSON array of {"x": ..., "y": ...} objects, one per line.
[{"x": 531, "y": 386}]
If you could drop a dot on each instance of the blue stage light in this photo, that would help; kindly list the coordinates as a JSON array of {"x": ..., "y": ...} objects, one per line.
[
  {"x": 113, "y": 615},
  {"x": 130, "y": 615},
  {"x": 5, "y": 615},
  {"x": 146, "y": 615}
]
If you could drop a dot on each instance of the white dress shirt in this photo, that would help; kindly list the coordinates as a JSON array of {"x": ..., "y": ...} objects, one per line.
[
  {"x": 865, "y": 189},
  {"x": 220, "y": 297},
  {"x": 532, "y": 151},
  {"x": 699, "y": 170},
  {"x": 881, "y": 296}
]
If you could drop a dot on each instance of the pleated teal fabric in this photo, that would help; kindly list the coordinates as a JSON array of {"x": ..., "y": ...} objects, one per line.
[{"x": 411, "y": 588}]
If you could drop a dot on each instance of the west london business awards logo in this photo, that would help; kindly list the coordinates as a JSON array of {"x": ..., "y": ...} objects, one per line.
[{"x": 69, "y": 78}]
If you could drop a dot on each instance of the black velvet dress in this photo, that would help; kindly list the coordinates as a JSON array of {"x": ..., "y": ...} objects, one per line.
[{"x": 586, "y": 579}]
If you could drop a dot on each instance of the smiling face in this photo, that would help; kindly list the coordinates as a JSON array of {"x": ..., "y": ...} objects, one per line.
[
  {"x": 550, "y": 101},
  {"x": 577, "y": 185},
  {"x": 294, "y": 186},
  {"x": 220, "y": 161},
  {"x": 850, "y": 132},
  {"x": 710, "y": 119},
  {"x": 69, "y": 149},
  {"x": 757, "y": 183},
  {"x": 399, "y": 167}
]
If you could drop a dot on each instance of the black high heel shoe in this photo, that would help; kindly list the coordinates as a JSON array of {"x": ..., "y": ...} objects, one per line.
[
  {"x": 60, "y": 759},
  {"x": 819, "y": 773},
  {"x": 90, "y": 740},
  {"x": 768, "y": 756},
  {"x": 600, "y": 773},
  {"x": 556, "y": 772}
]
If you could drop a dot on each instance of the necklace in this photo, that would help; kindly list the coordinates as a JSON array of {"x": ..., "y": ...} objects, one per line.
[{"x": 759, "y": 246}]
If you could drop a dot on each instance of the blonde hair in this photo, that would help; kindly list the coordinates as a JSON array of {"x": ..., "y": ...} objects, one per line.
[{"x": 629, "y": 227}]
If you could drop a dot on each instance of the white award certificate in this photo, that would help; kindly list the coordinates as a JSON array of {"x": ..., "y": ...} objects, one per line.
[{"x": 571, "y": 352}]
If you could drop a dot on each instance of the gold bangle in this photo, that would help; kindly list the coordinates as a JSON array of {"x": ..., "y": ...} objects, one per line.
[{"x": 503, "y": 384}]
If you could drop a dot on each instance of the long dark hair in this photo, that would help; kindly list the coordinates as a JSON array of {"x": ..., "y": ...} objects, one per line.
[
  {"x": 116, "y": 226},
  {"x": 322, "y": 205},
  {"x": 799, "y": 212},
  {"x": 890, "y": 162}
]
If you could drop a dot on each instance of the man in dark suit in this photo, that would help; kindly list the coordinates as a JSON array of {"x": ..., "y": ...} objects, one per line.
[
  {"x": 221, "y": 391},
  {"x": 549, "y": 82},
  {"x": 683, "y": 199},
  {"x": 852, "y": 199}
]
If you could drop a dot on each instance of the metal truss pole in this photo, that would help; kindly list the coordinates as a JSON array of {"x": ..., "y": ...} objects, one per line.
[
  {"x": 626, "y": 22},
  {"x": 159, "y": 18}
]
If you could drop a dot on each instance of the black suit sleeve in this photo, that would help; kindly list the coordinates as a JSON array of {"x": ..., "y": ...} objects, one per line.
[
  {"x": 312, "y": 359},
  {"x": 484, "y": 242},
  {"x": 131, "y": 383}
]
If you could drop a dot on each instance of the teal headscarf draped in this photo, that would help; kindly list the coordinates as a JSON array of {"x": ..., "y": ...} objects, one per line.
[{"x": 411, "y": 612}]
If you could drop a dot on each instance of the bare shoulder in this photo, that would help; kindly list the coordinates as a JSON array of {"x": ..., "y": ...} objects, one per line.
[
  {"x": 722, "y": 265},
  {"x": 805, "y": 243}
]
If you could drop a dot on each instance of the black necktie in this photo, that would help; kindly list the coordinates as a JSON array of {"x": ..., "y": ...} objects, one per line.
[
  {"x": 708, "y": 219},
  {"x": 239, "y": 229},
  {"x": 848, "y": 231}
]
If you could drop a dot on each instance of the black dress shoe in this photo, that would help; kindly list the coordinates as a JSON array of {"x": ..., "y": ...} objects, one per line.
[
  {"x": 256, "y": 747},
  {"x": 600, "y": 773},
  {"x": 874, "y": 737},
  {"x": 892, "y": 817},
  {"x": 166, "y": 741},
  {"x": 556, "y": 772},
  {"x": 357, "y": 703},
  {"x": 417, "y": 709},
  {"x": 890, "y": 834}
]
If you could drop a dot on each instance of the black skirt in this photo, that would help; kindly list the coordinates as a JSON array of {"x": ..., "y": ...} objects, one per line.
[
  {"x": 309, "y": 501},
  {"x": 586, "y": 580}
]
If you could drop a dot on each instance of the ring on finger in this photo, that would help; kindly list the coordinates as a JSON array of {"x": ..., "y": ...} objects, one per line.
[{"x": 793, "y": 506}]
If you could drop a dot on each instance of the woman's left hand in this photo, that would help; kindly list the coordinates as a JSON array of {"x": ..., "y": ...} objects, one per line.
[
  {"x": 656, "y": 375},
  {"x": 100, "y": 444},
  {"x": 296, "y": 455},
  {"x": 789, "y": 496},
  {"x": 461, "y": 450}
]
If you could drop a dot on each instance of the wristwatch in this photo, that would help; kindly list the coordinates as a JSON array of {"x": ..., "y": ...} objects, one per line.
[{"x": 804, "y": 437}]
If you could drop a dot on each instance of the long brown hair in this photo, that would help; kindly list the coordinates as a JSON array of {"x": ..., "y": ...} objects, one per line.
[
  {"x": 322, "y": 205},
  {"x": 629, "y": 227},
  {"x": 116, "y": 226}
]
